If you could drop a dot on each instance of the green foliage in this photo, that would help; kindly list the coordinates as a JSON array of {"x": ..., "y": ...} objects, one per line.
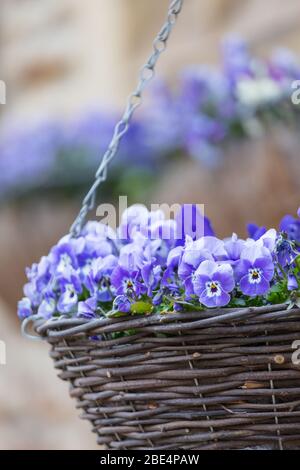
[{"x": 278, "y": 293}]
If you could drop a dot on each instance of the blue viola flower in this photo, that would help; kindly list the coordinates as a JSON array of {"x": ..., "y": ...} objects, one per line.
[
  {"x": 97, "y": 278},
  {"x": 195, "y": 252},
  {"x": 268, "y": 240},
  {"x": 292, "y": 282},
  {"x": 169, "y": 280},
  {"x": 291, "y": 226},
  {"x": 24, "y": 308},
  {"x": 255, "y": 270},
  {"x": 151, "y": 276},
  {"x": 210, "y": 248},
  {"x": 285, "y": 251},
  {"x": 99, "y": 242},
  {"x": 39, "y": 275},
  {"x": 255, "y": 231},
  {"x": 213, "y": 283},
  {"x": 87, "y": 309},
  {"x": 162, "y": 230},
  {"x": 47, "y": 307},
  {"x": 31, "y": 292},
  {"x": 174, "y": 257},
  {"x": 190, "y": 221},
  {"x": 122, "y": 304},
  {"x": 233, "y": 247},
  {"x": 137, "y": 219},
  {"x": 68, "y": 299},
  {"x": 126, "y": 282},
  {"x": 132, "y": 255},
  {"x": 63, "y": 256}
]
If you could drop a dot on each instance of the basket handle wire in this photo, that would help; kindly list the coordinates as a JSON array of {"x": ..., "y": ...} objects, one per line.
[{"x": 134, "y": 101}]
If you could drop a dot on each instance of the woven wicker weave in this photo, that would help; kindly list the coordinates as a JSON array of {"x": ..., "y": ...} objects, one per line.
[{"x": 207, "y": 380}]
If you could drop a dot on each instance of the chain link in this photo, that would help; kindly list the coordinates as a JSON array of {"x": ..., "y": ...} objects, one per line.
[{"x": 134, "y": 101}]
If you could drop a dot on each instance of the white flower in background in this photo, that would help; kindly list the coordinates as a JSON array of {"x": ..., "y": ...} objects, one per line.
[{"x": 257, "y": 92}]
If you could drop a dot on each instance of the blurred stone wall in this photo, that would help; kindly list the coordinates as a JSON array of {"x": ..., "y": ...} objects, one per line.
[
  {"x": 59, "y": 56},
  {"x": 35, "y": 409}
]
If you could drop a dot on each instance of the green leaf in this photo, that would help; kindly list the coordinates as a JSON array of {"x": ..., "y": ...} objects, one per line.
[
  {"x": 141, "y": 307},
  {"x": 278, "y": 293}
]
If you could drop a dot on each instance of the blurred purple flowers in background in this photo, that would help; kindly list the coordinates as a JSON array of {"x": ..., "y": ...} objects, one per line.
[
  {"x": 141, "y": 270},
  {"x": 255, "y": 270},
  {"x": 209, "y": 108}
]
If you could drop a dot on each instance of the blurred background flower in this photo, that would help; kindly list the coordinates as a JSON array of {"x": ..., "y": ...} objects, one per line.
[{"x": 206, "y": 109}]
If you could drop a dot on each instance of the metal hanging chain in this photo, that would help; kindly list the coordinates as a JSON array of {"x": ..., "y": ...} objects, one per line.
[{"x": 134, "y": 101}]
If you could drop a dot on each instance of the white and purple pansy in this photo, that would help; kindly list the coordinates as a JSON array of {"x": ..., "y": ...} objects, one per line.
[
  {"x": 213, "y": 283},
  {"x": 255, "y": 270}
]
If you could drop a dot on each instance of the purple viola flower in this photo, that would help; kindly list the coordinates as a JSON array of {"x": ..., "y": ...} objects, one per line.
[
  {"x": 96, "y": 246},
  {"x": 62, "y": 256},
  {"x": 132, "y": 255},
  {"x": 285, "y": 251},
  {"x": 163, "y": 230},
  {"x": 47, "y": 307},
  {"x": 39, "y": 276},
  {"x": 255, "y": 231},
  {"x": 102, "y": 267},
  {"x": 213, "y": 283},
  {"x": 174, "y": 257},
  {"x": 126, "y": 282},
  {"x": 69, "y": 298},
  {"x": 158, "y": 298},
  {"x": 268, "y": 239},
  {"x": 204, "y": 248},
  {"x": 136, "y": 219},
  {"x": 233, "y": 247},
  {"x": 190, "y": 221},
  {"x": 24, "y": 308},
  {"x": 132, "y": 219},
  {"x": 255, "y": 270},
  {"x": 169, "y": 278},
  {"x": 291, "y": 226},
  {"x": 195, "y": 252},
  {"x": 31, "y": 292},
  {"x": 185, "y": 274},
  {"x": 87, "y": 308},
  {"x": 122, "y": 304},
  {"x": 70, "y": 277},
  {"x": 98, "y": 231},
  {"x": 151, "y": 276},
  {"x": 97, "y": 278},
  {"x": 292, "y": 282},
  {"x": 157, "y": 251},
  {"x": 177, "y": 307}
]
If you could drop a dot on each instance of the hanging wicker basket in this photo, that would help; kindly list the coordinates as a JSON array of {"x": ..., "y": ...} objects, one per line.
[
  {"x": 209, "y": 380},
  {"x": 214, "y": 379}
]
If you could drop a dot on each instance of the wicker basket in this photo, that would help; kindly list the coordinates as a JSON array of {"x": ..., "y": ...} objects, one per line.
[
  {"x": 218, "y": 379},
  {"x": 207, "y": 380}
]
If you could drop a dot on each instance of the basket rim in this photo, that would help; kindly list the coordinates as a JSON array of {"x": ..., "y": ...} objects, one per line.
[{"x": 62, "y": 327}]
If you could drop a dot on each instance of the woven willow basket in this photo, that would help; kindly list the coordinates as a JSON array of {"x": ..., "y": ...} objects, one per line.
[
  {"x": 221, "y": 379},
  {"x": 218, "y": 379}
]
